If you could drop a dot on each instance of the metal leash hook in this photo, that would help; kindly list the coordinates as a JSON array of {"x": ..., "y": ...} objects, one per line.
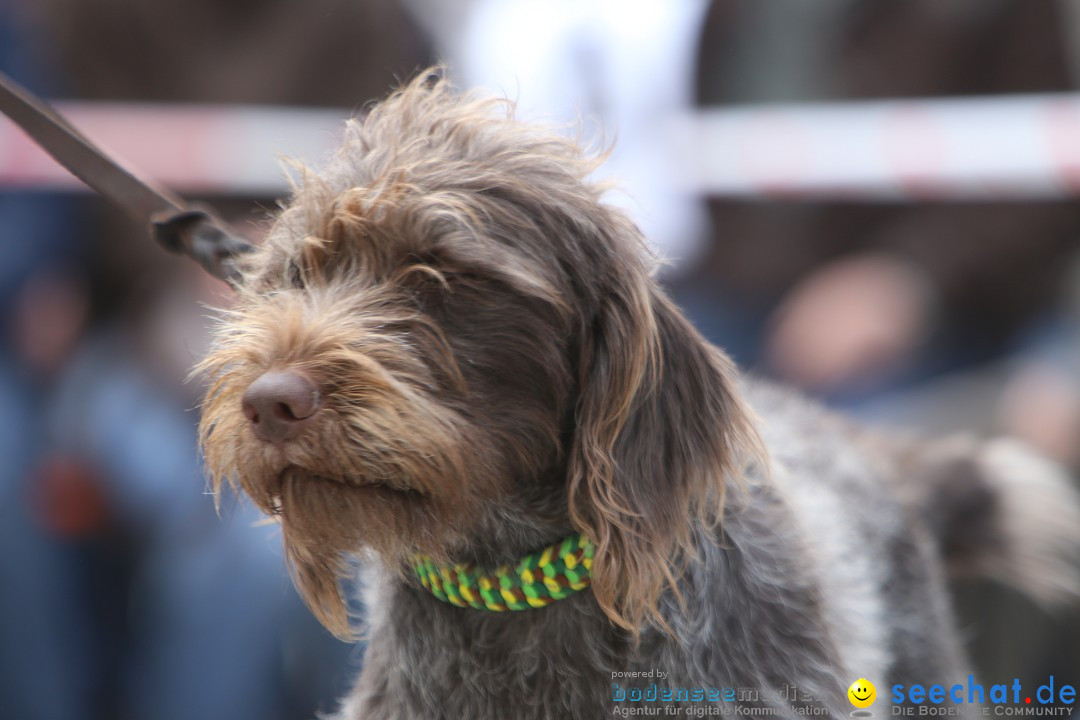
[
  {"x": 177, "y": 226},
  {"x": 203, "y": 238}
]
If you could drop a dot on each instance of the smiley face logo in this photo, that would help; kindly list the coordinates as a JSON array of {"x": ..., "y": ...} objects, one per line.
[{"x": 862, "y": 693}]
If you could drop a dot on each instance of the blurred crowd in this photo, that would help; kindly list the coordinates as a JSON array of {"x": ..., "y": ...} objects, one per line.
[{"x": 124, "y": 595}]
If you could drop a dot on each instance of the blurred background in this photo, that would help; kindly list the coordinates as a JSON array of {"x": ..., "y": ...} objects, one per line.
[{"x": 876, "y": 201}]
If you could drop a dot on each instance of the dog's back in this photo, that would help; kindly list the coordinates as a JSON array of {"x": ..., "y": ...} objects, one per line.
[{"x": 883, "y": 524}]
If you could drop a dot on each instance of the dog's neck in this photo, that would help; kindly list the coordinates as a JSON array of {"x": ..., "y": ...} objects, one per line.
[
  {"x": 417, "y": 643},
  {"x": 528, "y": 530},
  {"x": 532, "y": 518}
]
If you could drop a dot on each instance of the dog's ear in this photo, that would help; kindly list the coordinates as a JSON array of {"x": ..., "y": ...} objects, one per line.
[{"x": 659, "y": 428}]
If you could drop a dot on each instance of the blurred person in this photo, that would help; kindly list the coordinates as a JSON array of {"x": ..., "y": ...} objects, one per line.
[
  {"x": 188, "y": 640},
  {"x": 147, "y": 619},
  {"x": 851, "y": 298},
  {"x": 1041, "y": 402},
  {"x": 44, "y": 638}
]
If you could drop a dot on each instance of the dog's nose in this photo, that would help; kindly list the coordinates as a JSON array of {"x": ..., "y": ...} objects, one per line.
[{"x": 279, "y": 404}]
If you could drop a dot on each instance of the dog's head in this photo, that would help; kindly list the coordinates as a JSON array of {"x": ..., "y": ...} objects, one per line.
[{"x": 448, "y": 344}]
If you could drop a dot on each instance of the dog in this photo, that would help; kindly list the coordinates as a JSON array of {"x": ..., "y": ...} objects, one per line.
[{"x": 449, "y": 367}]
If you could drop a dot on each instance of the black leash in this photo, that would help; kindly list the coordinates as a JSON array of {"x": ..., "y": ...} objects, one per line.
[{"x": 178, "y": 227}]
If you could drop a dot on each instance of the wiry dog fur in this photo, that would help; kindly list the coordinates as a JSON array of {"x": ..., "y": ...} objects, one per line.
[{"x": 498, "y": 370}]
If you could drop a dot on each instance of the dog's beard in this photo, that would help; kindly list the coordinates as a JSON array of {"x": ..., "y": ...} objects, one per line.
[
  {"x": 326, "y": 517},
  {"x": 325, "y": 521},
  {"x": 388, "y": 476}
]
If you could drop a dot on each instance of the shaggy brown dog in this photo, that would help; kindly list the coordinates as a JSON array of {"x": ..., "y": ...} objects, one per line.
[{"x": 449, "y": 346}]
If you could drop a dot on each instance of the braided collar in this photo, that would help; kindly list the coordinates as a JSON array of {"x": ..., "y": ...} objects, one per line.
[{"x": 537, "y": 580}]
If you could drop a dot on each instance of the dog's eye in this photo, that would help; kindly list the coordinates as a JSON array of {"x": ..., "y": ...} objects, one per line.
[{"x": 295, "y": 277}]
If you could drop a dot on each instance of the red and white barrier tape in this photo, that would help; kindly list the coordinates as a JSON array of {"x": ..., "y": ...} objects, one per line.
[
  {"x": 1009, "y": 147},
  {"x": 993, "y": 148},
  {"x": 188, "y": 148}
]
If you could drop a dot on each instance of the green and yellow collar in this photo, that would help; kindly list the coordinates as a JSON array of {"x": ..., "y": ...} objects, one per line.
[{"x": 537, "y": 580}]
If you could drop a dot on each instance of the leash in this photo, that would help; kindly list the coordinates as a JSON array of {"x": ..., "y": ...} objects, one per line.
[{"x": 176, "y": 226}]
